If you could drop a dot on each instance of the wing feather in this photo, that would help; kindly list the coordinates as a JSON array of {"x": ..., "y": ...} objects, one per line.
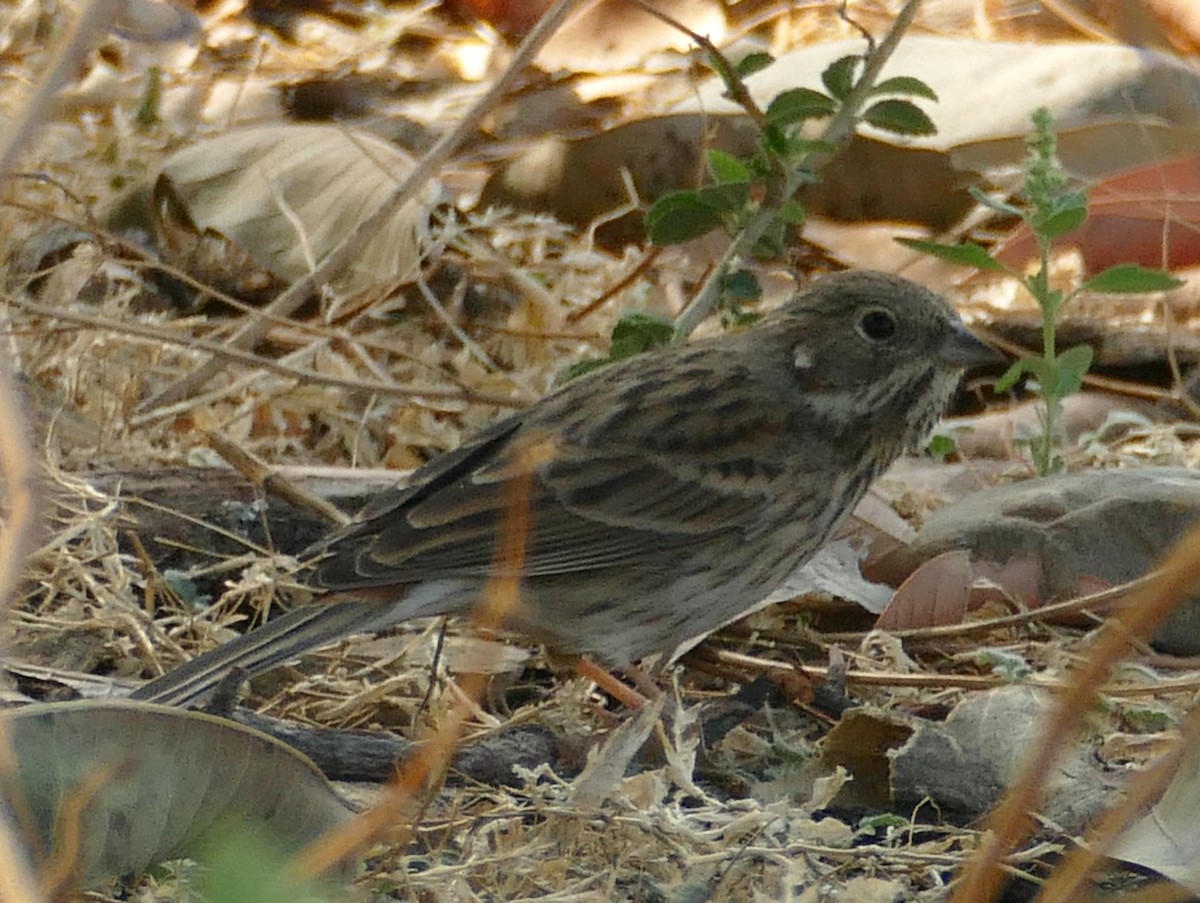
[{"x": 587, "y": 511}]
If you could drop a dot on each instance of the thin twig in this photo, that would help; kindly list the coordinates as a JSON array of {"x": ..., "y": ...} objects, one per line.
[
  {"x": 1101, "y": 599},
  {"x": 225, "y": 352},
  {"x": 262, "y": 474},
  {"x": 620, "y": 285}
]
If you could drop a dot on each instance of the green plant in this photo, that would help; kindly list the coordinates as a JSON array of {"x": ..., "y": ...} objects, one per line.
[
  {"x": 633, "y": 333},
  {"x": 1053, "y": 205},
  {"x": 752, "y": 198},
  {"x": 244, "y": 865},
  {"x": 147, "y": 116},
  {"x": 761, "y": 187}
]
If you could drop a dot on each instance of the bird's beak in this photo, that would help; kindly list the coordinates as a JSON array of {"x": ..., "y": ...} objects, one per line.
[{"x": 960, "y": 348}]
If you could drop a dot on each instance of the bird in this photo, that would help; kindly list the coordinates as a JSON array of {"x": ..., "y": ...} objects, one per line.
[{"x": 666, "y": 494}]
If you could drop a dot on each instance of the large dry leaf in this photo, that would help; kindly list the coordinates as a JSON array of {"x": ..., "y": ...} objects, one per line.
[
  {"x": 288, "y": 194},
  {"x": 1167, "y": 839},
  {"x": 1118, "y": 106},
  {"x": 1072, "y": 533},
  {"x": 153, "y": 783},
  {"x": 1147, "y": 214},
  {"x": 962, "y": 765}
]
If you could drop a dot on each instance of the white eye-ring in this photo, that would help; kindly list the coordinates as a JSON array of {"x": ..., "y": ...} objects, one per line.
[{"x": 877, "y": 324}]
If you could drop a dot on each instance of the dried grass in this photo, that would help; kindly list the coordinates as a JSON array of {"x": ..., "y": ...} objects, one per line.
[{"x": 386, "y": 387}]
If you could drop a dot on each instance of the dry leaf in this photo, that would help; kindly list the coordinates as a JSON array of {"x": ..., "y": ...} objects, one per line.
[
  {"x": 289, "y": 194},
  {"x": 1148, "y": 214},
  {"x": 155, "y": 782}
]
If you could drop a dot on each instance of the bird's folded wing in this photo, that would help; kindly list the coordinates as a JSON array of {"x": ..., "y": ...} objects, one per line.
[{"x": 587, "y": 509}]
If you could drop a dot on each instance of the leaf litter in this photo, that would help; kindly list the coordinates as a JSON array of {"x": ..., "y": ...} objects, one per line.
[{"x": 86, "y": 323}]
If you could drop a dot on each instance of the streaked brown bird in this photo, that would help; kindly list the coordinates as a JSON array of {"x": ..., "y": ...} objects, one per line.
[{"x": 667, "y": 494}]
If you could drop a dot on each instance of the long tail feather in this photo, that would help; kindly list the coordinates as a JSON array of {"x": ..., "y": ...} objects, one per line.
[{"x": 279, "y": 640}]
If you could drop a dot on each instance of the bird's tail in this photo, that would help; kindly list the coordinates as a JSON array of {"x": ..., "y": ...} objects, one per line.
[{"x": 279, "y": 640}]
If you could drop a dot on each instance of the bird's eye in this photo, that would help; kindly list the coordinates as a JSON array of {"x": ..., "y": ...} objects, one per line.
[{"x": 877, "y": 324}]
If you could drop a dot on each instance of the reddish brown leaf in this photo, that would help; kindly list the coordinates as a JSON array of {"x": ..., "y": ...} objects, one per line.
[{"x": 1148, "y": 214}]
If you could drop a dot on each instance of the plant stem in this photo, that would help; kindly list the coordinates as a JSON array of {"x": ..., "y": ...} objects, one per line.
[
  {"x": 840, "y": 125},
  {"x": 1043, "y": 448}
]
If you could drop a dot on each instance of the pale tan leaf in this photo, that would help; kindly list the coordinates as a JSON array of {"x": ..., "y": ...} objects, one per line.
[
  {"x": 154, "y": 782},
  {"x": 1167, "y": 838},
  {"x": 288, "y": 194}
]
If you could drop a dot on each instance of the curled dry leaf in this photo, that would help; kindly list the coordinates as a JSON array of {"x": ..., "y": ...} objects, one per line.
[
  {"x": 1057, "y": 537},
  {"x": 608, "y": 763},
  {"x": 288, "y": 194},
  {"x": 902, "y": 762},
  {"x": 935, "y": 593},
  {"x": 141, "y": 783}
]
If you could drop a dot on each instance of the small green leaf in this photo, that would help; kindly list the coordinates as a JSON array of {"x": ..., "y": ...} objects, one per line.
[
  {"x": 941, "y": 446},
  {"x": 580, "y": 367},
  {"x": 799, "y": 104},
  {"x": 797, "y": 146},
  {"x": 729, "y": 197},
  {"x": 1071, "y": 365},
  {"x": 727, "y": 168},
  {"x": 249, "y": 865},
  {"x": 901, "y": 117},
  {"x": 753, "y": 62},
  {"x": 680, "y": 216},
  {"x": 904, "y": 84},
  {"x": 967, "y": 253},
  {"x": 185, "y": 588},
  {"x": 1011, "y": 666},
  {"x": 792, "y": 213},
  {"x": 737, "y": 319},
  {"x": 774, "y": 139},
  {"x": 838, "y": 78},
  {"x": 638, "y": 331},
  {"x": 1129, "y": 277},
  {"x": 1049, "y": 299},
  {"x": 741, "y": 285},
  {"x": 1018, "y": 369},
  {"x": 771, "y": 243},
  {"x": 1067, "y": 219},
  {"x": 1147, "y": 719}
]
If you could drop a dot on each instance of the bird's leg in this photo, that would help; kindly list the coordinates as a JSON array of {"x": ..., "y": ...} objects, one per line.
[{"x": 610, "y": 684}]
